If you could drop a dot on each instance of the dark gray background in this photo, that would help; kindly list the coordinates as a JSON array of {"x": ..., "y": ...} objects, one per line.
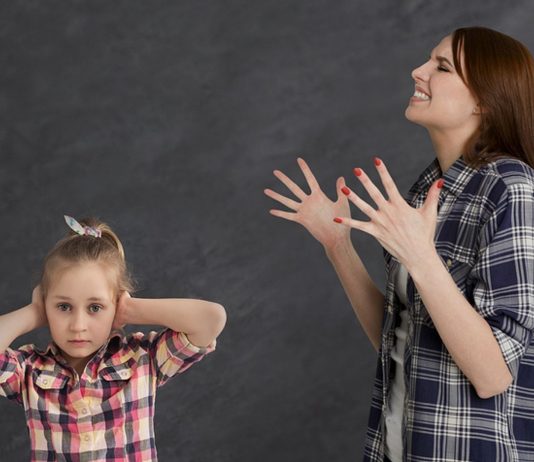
[{"x": 166, "y": 119}]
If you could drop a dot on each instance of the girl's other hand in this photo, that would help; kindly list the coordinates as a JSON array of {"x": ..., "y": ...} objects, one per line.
[
  {"x": 121, "y": 312},
  {"x": 315, "y": 211},
  {"x": 38, "y": 306}
]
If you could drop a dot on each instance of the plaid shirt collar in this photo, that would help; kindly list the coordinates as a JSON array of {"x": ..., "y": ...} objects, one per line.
[
  {"x": 112, "y": 345},
  {"x": 456, "y": 177}
]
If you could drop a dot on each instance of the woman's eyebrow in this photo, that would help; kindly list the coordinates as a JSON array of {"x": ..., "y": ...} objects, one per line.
[{"x": 441, "y": 59}]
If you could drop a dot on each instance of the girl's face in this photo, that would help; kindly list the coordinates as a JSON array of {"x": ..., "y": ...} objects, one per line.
[
  {"x": 441, "y": 100},
  {"x": 80, "y": 307}
]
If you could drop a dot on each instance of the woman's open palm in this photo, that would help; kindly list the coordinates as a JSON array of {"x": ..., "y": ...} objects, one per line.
[{"x": 315, "y": 211}]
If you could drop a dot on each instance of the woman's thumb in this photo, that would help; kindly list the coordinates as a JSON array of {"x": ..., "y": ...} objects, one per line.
[{"x": 432, "y": 199}]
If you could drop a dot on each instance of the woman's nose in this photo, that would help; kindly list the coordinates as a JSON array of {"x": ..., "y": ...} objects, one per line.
[{"x": 420, "y": 73}]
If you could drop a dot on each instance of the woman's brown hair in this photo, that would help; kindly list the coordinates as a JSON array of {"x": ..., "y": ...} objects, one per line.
[
  {"x": 499, "y": 71},
  {"x": 76, "y": 248}
]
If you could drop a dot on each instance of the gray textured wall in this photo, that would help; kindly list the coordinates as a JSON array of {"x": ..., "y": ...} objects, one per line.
[{"x": 166, "y": 119}]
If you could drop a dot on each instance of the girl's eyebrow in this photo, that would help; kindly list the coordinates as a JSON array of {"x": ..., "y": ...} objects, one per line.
[{"x": 92, "y": 299}]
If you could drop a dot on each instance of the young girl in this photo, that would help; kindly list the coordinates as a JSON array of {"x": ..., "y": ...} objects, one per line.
[
  {"x": 455, "y": 370},
  {"x": 90, "y": 395}
]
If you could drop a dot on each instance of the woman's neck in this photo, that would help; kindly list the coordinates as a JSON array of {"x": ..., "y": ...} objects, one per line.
[{"x": 449, "y": 145}]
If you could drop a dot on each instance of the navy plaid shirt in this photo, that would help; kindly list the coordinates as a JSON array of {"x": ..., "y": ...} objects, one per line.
[{"x": 485, "y": 237}]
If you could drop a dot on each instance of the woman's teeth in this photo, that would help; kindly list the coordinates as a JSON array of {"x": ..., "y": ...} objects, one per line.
[{"x": 421, "y": 95}]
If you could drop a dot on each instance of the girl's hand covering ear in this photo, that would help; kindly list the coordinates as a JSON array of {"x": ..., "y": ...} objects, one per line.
[
  {"x": 39, "y": 307},
  {"x": 121, "y": 312},
  {"x": 315, "y": 211}
]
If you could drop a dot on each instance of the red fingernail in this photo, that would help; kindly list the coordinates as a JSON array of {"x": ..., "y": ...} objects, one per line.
[
  {"x": 377, "y": 161},
  {"x": 440, "y": 183},
  {"x": 357, "y": 171},
  {"x": 338, "y": 220},
  {"x": 345, "y": 190}
]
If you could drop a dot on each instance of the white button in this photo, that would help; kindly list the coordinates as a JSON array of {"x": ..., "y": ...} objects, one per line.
[
  {"x": 45, "y": 381},
  {"x": 124, "y": 373},
  {"x": 86, "y": 438},
  {"x": 449, "y": 262},
  {"x": 84, "y": 411}
]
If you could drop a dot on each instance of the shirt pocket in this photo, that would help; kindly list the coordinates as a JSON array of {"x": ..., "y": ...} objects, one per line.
[
  {"x": 49, "y": 380},
  {"x": 459, "y": 266},
  {"x": 116, "y": 373}
]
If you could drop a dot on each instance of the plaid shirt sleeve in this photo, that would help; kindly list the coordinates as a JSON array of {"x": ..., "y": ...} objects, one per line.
[
  {"x": 504, "y": 273},
  {"x": 172, "y": 353},
  {"x": 12, "y": 374}
]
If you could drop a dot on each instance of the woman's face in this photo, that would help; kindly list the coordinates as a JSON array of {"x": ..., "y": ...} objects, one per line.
[{"x": 441, "y": 100}]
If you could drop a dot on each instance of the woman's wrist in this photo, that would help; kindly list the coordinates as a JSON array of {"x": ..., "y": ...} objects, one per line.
[{"x": 338, "y": 248}]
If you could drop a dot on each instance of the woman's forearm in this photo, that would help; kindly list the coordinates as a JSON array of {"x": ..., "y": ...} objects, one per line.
[
  {"x": 465, "y": 333},
  {"x": 366, "y": 299},
  {"x": 201, "y": 320},
  {"x": 15, "y": 324}
]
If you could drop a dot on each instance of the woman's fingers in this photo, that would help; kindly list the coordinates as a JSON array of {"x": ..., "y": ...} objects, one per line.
[
  {"x": 358, "y": 202},
  {"x": 389, "y": 185},
  {"x": 286, "y": 215},
  {"x": 369, "y": 186},
  {"x": 290, "y": 184},
  {"x": 289, "y": 203},
  {"x": 310, "y": 177}
]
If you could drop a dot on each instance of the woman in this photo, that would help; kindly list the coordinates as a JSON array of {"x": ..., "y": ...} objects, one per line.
[{"x": 455, "y": 372}]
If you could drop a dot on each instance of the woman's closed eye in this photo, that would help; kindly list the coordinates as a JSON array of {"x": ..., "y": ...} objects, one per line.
[{"x": 443, "y": 69}]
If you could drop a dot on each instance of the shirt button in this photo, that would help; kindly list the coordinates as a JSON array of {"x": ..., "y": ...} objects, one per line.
[
  {"x": 449, "y": 262},
  {"x": 84, "y": 411},
  {"x": 45, "y": 381},
  {"x": 86, "y": 438},
  {"x": 124, "y": 373}
]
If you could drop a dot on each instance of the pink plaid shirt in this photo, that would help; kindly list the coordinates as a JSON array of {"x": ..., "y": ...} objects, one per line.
[{"x": 107, "y": 413}]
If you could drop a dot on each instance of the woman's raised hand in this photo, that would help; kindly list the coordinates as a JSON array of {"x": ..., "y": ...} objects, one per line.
[{"x": 315, "y": 211}]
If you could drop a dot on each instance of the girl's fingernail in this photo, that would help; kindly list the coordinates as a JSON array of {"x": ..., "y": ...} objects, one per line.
[
  {"x": 357, "y": 171},
  {"x": 338, "y": 220},
  {"x": 345, "y": 190},
  {"x": 377, "y": 161},
  {"x": 440, "y": 183}
]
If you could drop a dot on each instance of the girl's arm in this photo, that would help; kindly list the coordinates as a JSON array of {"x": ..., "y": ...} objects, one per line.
[
  {"x": 22, "y": 321},
  {"x": 202, "y": 321}
]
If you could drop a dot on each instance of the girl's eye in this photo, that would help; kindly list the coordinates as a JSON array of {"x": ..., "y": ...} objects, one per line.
[
  {"x": 443, "y": 69},
  {"x": 63, "y": 306},
  {"x": 95, "y": 308}
]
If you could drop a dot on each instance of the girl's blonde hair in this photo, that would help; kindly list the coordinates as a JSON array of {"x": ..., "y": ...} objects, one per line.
[{"x": 75, "y": 248}]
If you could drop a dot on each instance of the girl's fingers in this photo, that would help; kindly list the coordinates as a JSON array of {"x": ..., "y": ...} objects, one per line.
[
  {"x": 358, "y": 202},
  {"x": 310, "y": 177},
  {"x": 286, "y": 215},
  {"x": 387, "y": 181},
  {"x": 290, "y": 184},
  {"x": 289, "y": 203}
]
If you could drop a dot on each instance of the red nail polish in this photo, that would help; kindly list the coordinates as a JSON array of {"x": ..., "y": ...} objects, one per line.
[
  {"x": 338, "y": 220},
  {"x": 357, "y": 171},
  {"x": 345, "y": 190},
  {"x": 377, "y": 161},
  {"x": 440, "y": 183}
]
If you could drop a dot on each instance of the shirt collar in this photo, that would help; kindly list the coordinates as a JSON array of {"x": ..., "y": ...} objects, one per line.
[{"x": 456, "y": 177}]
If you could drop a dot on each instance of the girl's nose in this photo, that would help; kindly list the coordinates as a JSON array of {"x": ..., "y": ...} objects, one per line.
[{"x": 78, "y": 322}]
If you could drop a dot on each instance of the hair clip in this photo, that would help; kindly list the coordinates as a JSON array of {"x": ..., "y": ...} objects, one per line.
[{"x": 82, "y": 230}]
